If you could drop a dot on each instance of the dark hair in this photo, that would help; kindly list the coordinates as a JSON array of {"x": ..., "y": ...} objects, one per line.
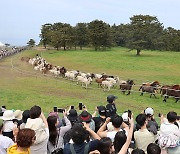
[
  {"x": 119, "y": 140},
  {"x": 116, "y": 121},
  {"x": 172, "y": 116},
  {"x": 52, "y": 129},
  {"x": 153, "y": 148},
  {"x": 35, "y": 112},
  {"x": 105, "y": 145},
  {"x": 25, "y": 137},
  {"x": 137, "y": 151},
  {"x": 78, "y": 133},
  {"x": 25, "y": 116},
  {"x": 141, "y": 119}
]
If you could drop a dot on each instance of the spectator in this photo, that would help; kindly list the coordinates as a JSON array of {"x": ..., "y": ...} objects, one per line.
[
  {"x": 38, "y": 123},
  {"x": 152, "y": 125},
  {"x": 25, "y": 116},
  {"x": 138, "y": 151},
  {"x": 86, "y": 117},
  {"x": 116, "y": 122},
  {"x": 121, "y": 142},
  {"x": 18, "y": 117},
  {"x": 105, "y": 146},
  {"x": 25, "y": 138},
  {"x": 153, "y": 149},
  {"x": 99, "y": 121},
  {"x": 60, "y": 123},
  {"x": 56, "y": 135},
  {"x": 143, "y": 137},
  {"x": 111, "y": 107},
  {"x": 5, "y": 142},
  {"x": 169, "y": 136},
  {"x": 72, "y": 116},
  {"x": 79, "y": 135},
  {"x": 8, "y": 123}
]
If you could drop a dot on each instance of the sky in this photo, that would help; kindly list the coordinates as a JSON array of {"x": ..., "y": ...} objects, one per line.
[{"x": 21, "y": 20}]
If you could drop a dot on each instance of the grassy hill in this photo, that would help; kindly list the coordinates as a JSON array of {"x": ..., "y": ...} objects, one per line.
[{"x": 21, "y": 86}]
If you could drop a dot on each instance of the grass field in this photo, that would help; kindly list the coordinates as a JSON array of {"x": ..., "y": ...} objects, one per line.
[{"x": 21, "y": 86}]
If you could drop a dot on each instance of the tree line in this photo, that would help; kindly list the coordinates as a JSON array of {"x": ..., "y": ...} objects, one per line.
[{"x": 143, "y": 32}]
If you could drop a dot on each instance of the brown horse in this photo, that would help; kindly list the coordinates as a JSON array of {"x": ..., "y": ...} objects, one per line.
[
  {"x": 63, "y": 70},
  {"x": 149, "y": 88},
  {"x": 173, "y": 91},
  {"x": 99, "y": 81}
]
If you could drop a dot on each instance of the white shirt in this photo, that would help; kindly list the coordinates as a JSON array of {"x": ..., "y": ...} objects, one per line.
[
  {"x": 5, "y": 143},
  {"x": 8, "y": 126}
]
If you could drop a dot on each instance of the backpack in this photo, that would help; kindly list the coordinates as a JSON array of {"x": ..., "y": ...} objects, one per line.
[{"x": 86, "y": 149}]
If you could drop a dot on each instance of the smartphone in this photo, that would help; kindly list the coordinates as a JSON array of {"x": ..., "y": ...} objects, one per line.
[
  {"x": 80, "y": 106},
  {"x": 159, "y": 115},
  {"x": 4, "y": 107},
  {"x": 72, "y": 107},
  {"x": 55, "y": 108},
  {"x": 61, "y": 110},
  {"x": 129, "y": 113}
]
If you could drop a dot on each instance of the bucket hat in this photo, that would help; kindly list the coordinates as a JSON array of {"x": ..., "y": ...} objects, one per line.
[{"x": 8, "y": 115}]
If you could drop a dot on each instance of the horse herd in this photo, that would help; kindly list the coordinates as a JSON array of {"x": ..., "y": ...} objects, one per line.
[{"x": 103, "y": 80}]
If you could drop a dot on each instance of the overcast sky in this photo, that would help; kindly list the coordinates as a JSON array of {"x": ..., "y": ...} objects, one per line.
[{"x": 22, "y": 19}]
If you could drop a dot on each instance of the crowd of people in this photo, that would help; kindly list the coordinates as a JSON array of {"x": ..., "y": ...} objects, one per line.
[{"x": 103, "y": 132}]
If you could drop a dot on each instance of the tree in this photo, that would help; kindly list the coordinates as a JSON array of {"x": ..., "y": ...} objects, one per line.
[
  {"x": 31, "y": 43},
  {"x": 46, "y": 32},
  {"x": 81, "y": 33},
  {"x": 144, "y": 32},
  {"x": 99, "y": 34}
]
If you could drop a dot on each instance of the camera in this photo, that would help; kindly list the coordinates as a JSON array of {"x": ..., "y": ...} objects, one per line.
[
  {"x": 55, "y": 109},
  {"x": 61, "y": 110}
]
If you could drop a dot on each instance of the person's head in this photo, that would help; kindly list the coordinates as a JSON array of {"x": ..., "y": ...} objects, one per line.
[
  {"x": 119, "y": 140},
  {"x": 141, "y": 119},
  {"x": 137, "y": 151},
  {"x": 25, "y": 116},
  {"x": 25, "y": 138},
  {"x": 85, "y": 116},
  {"x": 153, "y": 148},
  {"x": 52, "y": 123},
  {"x": 172, "y": 116},
  {"x": 72, "y": 116},
  {"x": 116, "y": 121},
  {"x": 102, "y": 110},
  {"x": 78, "y": 133},
  {"x": 1, "y": 125},
  {"x": 35, "y": 112},
  {"x": 149, "y": 112},
  {"x": 111, "y": 98},
  {"x": 105, "y": 146}
]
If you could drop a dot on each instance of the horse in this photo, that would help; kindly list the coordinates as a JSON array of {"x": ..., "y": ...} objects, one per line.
[
  {"x": 173, "y": 91},
  {"x": 99, "y": 81},
  {"x": 150, "y": 88},
  {"x": 63, "y": 71},
  {"x": 127, "y": 86}
]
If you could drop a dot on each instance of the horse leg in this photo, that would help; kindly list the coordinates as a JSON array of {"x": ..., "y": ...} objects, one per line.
[{"x": 129, "y": 92}]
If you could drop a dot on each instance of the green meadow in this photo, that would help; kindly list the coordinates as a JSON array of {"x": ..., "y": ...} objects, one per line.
[{"x": 21, "y": 86}]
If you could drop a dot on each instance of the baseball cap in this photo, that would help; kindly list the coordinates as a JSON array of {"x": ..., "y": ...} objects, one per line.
[
  {"x": 101, "y": 109},
  {"x": 111, "y": 98},
  {"x": 149, "y": 111}
]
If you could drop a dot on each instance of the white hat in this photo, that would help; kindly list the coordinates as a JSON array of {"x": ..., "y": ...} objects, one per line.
[
  {"x": 125, "y": 116},
  {"x": 149, "y": 110},
  {"x": 18, "y": 114},
  {"x": 8, "y": 115}
]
